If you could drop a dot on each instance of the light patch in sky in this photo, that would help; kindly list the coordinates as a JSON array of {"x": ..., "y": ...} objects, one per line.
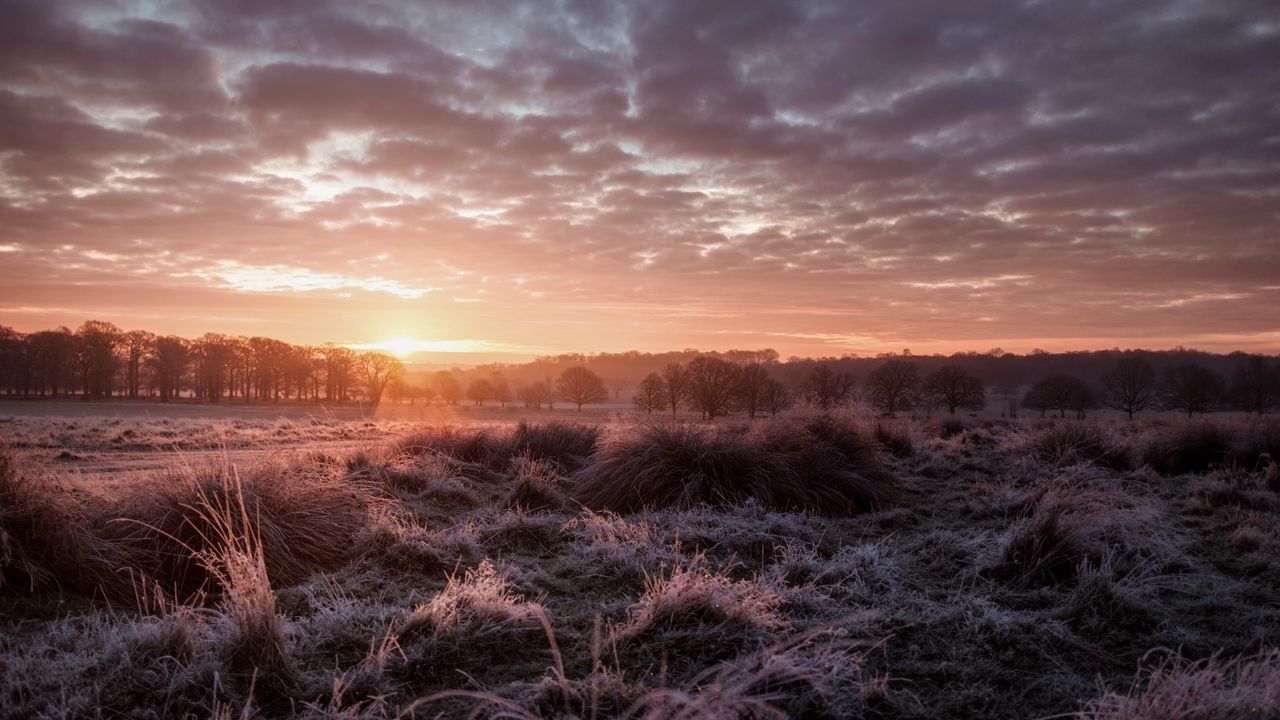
[{"x": 285, "y": 278}]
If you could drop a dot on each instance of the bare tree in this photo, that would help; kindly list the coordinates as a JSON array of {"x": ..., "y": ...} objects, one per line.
[
  {"x": 96, "y": 343},
  {"x": 651, "y": 393},
  {"x": 1191, "y": 388},
  {"x": 953, "y": 387},
  {"x": 1130, "y": 386},
  {"x": 753, "y": 387},
  {"x": 446, "y": 386},
  {"x": 893, "y": 385},
  {"x": 675, "y": 379},
  {"x": 135, "y": 344},
  {"x": 1255, "y": 385},
  {"x": 711, "y": 385},
  {"x": 777, "y": 397},
  {"x": 580, "y": 386},
  {"x": 1056, "y": 392},
  {"x": 501, "y": 388},
  {"x": 378, "y": 370},
  {"x": 480, "y": 390},
  {"x": 168, "y": 363},
  {"x": 826, "y": 388}
]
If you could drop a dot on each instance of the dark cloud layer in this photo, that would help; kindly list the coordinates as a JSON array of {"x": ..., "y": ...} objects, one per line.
[{"x": 816, "y": 176}]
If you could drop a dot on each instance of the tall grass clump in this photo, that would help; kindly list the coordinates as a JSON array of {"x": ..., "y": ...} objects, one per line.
[
  {"x": 1189, "y": 447},
  {"x": 469, "y": 443},
  {"x": 1079, "y": 442},
  {"x": 895, "y": 438},
  {"x": 536, "y": 486},
  {"x": 303, "y": 522},
  {"x": 567, "y": 445},
  {"x": 822, "y": 467},
  {"x": 38, "y": 525},
  {"x": 1211, "y": 689}
]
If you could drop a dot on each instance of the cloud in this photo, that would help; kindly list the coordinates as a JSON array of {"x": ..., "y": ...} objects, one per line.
[{"x": 911, "y": 171}]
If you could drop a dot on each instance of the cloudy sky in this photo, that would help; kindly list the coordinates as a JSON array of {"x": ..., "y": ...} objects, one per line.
[{"x": 817, "y": 177}]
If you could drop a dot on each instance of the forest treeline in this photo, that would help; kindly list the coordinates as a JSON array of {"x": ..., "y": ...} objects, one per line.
[{"x": 99, "y": 360}]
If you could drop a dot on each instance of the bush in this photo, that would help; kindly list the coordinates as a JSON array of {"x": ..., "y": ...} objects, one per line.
[
  {"x": 820, "y": 467},
  {"x": 1191, "y": 447},
  {"x": 569, "y": 446},
  {"x": 1204, "y": 690},
  {"x": 305, "y": 523},
  {"x": 1077, "y": 442},
  {"x": 38, "y": 527}
]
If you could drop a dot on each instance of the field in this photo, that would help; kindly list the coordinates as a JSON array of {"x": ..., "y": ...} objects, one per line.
[{"x": 597, "y": 566}]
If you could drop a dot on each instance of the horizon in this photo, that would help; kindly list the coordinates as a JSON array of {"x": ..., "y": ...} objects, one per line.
[{"x": 497, "y": 182}]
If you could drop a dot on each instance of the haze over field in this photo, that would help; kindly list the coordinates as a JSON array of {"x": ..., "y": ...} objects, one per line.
[{"x": 512, "y": 179}]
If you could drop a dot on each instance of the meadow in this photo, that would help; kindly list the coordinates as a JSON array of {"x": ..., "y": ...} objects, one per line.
[{"x": 800, "y": 566}]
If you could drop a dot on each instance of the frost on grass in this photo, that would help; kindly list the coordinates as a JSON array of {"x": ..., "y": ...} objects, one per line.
[{"x": 1210, "y": 689}]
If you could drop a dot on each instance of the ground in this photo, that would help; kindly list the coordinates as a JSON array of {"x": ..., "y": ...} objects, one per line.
[{"x": 384, "y": 567}]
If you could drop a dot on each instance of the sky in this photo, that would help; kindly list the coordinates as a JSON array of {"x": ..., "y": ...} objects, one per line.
[{"x": 516, "y": 179}]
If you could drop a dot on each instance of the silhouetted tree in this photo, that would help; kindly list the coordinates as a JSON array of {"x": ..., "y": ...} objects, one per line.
[
  {"x": 893, "y": 385},
  {"x": 480, "y": 390},
  {"x": 753, "y": 387},
  {"x": 1255, "y": 385},
  {"x": 827, "y": 388},
  {"x": 777, "y": 397},
  {"x": 536, "y": 393},
  {"x": 580, "y": 386},
  {"x": 1130, "y": 385},
  {"x": 135, "y": 344},
  {"x": 675, "y": 380},
  {"x": 167, "y": 363},
  {"x": 952, "y": 387},
  {"x": 447, "y": 387},
  {"x": 1191, "y": 388},
  {"x": 711, "y": 385},
  {"x": 50, "y": 361},
  {"x": 339, "y": 370},
  {"x": 96, "y": 343},
  {"x": 378, "y": 370},
  {"x": 1059, "y": 392},
  {"x": 651, "y": 393}
]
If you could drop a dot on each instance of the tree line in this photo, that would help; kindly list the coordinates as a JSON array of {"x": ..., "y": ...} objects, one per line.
[{"x": 98, "y": 360}]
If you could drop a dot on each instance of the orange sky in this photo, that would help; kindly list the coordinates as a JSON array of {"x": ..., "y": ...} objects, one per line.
[{"x": 504, "y": 181}]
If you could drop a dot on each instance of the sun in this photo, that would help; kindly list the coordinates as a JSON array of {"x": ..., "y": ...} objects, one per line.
[{"x": 401, "y": 347}]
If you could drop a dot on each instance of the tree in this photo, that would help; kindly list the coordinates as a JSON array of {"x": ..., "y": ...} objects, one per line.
[
  {"x": 580, "y": 386},
  {"x": 753, "y": 385},
  {"x": 711, "y": 384},
  {"x": 96, "y": 359},
  {"x": 827, "y": 388},
  {"x": 777, "y": 397},
  {"x": 1057, "y": 392},
  {"x": 501, "y": 388},
  {"x": 1130, "y": 386},
  {"x": 675, "y": 379},
  {"x": 1255, "y": 385},
  {"x": 1190, "y": 387},
  {"x": 479, "y": 390},
  {"x": 651, "y": 393},
  {"x": 168, "y": 363},
  {"x": 893, "y": 385},
  {"x": 339, "y": 370},
  {"x": 378, "y": 370},
  {"x": 536, "y": 393},
  {"x": 953, "y": 387},
  {"x": 135, "y": 343},
  {"x": 446, "y": 387}
]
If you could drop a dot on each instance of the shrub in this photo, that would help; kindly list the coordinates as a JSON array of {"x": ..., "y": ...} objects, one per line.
[
  {"x": 39, "y": 548},
  {"x": 1204, "y": 690},
  {"x": 819, "y": 467},
  {"x": 305, "y": 523},
  {"x": 1189, "y": 447},
  {"x": 1076, "y": 442},
  {"x": 569, "y": 446}
]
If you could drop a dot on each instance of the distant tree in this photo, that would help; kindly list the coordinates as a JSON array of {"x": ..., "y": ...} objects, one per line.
[
  {"x": 50, "y": 361},
  {"x": 167, "y": 363},
  {"x": 96, "y": 343},
  {"x": 536, "y": 393},
  {"x": 827, "y": 388},
  {"x": 378, "y": 370},
  {"x": 446, "y": 387},
  {"x": 1191, "y": 388},
  {"x": 135, "y": 344},
  {"x": 501, "y": 388},
  {"x": 753, "y": 387},
  {"x": 893, "y": 385},
  {"x": 952, "y": 387},
  {"x": 711, "y": 385},
  {"x": 1083, "y": 401},
  {"x": 651, "y": 393},
  {"x": 1058, "y": 392},
  {"x": 1130, "y": 385},
  {"x": 617, "y": 385},
  {"x": 339, "y": 371},
  {"x": 1255, "y": 385},
  {"x": 675, "y": 379},
  {"x": 480, "y": 390},
  {"x": 777, "y": 397},
  {"x": 580, "y": 386}
]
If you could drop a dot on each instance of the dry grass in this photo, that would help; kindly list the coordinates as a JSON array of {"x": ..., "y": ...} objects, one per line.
[
  {"x": 39, "y": 527},
  {"x": 1080, "y": 442},
  {"x": 1210, "y": 689}
]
